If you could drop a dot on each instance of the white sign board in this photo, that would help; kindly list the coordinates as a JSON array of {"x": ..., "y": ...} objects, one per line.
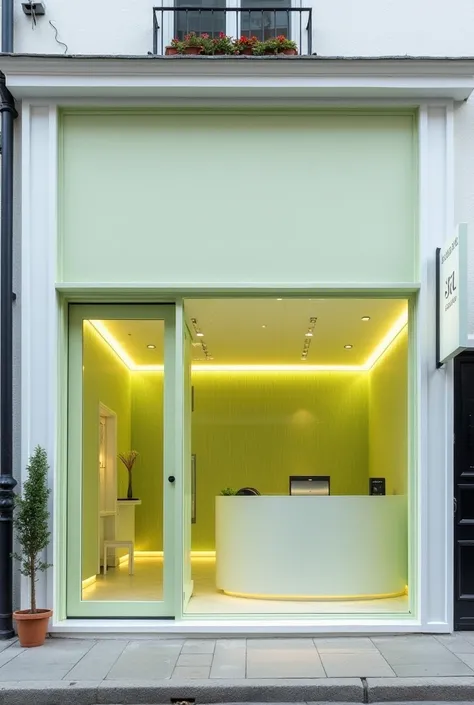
[{"x": 453, "y": 296}]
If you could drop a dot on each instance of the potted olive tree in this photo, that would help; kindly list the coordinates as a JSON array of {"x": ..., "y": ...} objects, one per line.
[{"x": 31, "y": 525}]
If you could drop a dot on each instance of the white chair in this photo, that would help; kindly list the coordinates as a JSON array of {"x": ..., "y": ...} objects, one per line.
[{"x": 120, "y": 544}]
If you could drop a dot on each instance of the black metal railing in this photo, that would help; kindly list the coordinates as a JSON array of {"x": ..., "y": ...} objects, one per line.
[{"x": 261, "y": 22}]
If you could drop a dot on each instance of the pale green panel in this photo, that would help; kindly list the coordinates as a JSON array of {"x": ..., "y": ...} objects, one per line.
[
  {"x": 388, "y": 416},
  {"x": 147, "y": 440},
  {"x": 256, "y": 430},
  {"x": 247, "y": 197},
  {"x": 106, "y": 380}
]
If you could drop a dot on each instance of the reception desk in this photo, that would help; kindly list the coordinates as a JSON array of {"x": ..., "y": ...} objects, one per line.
[{"x": 311, "y": 548}]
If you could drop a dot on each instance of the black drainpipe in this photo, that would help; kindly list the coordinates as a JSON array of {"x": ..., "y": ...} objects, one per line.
[{"x": 7, "y": 481}]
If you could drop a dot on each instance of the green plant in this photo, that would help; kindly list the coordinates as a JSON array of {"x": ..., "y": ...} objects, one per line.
[
  {"x": 245, "y": 43},
  {"x": 277, "y": 45},
  {"x": 177, "y": 44},
  {"x": 228, "y": 491},
  {"x": 31, "y": 521},
  {"x": 196, "y": 40},
  {"x": 222, "y": 44}
]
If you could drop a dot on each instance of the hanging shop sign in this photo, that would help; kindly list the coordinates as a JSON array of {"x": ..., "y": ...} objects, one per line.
[{"x": 452, "y": 297}]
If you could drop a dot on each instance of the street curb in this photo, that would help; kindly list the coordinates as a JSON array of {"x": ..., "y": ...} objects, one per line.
[
  {"x": 239, "y": 692},
  {"x": 301, "y": 690},
  {"x": 442, "y": 689}
]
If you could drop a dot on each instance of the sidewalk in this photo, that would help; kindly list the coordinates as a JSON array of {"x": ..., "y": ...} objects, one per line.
[{"x": 152, "y": 670}]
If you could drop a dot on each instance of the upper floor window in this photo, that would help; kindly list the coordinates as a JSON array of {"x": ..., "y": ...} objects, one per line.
[{"x": 261, "y": 18}]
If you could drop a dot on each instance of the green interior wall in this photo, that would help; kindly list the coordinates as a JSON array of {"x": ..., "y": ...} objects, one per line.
[
  {"x": 388, "y": 416},
  {"x": 147, "y": 439},
  {"x": 106, "y": 380},
  {"x": 254, "y": 429}
]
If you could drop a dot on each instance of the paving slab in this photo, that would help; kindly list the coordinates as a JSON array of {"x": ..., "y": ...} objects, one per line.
[
  {"x": 97, "y": 662},
  {"x": 199, "y": 646},
  {"x": 147, "y": 660},
  {"x": 361, "y": 665},
  {"x": 51, "y": 662},
  {"x": 344, "y": 645},
  {"x": 230, "y": 659},
  {"x": 286, "y": 658},
  {"x": 456, "y": 643},
  {"x": 420, "y": 689}
]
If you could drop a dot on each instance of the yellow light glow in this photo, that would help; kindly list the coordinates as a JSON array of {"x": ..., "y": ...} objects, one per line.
[
  {"x": 314, "y": 598},
  {"x": 277, "y": 368},
  {"x": 394, "y": 331},
  {"x": 388, "y": 339},
  {"x": 102, "y": 330}
]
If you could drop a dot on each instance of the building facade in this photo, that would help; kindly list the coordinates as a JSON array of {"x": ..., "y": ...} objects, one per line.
[{"x": 225, "y": 265}]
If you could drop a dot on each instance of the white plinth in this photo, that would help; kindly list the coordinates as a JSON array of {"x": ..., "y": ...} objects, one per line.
[{"x": 312, "y": 548}]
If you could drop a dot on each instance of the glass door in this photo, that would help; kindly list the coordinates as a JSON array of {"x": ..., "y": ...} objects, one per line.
[{"x": 121, "y": 461}]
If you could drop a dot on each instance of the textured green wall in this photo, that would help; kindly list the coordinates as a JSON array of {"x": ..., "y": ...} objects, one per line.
[
  {"x": 254, "y": 429},
  {"x": 105, "y": 380},
  {"x": 388, "y": 416},
  {"x": 147, "y": 439}
]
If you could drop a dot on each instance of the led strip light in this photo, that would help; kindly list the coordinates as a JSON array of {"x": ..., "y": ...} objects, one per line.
[{"x": 378, "y": 351}]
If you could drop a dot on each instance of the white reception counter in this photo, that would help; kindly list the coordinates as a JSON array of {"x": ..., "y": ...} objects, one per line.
[{"x": 311, "y": 548}]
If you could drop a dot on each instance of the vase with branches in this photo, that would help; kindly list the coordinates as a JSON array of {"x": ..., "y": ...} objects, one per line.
[
  {"x": 129, "y": 459},
  {"x": 33, "y": 536}
]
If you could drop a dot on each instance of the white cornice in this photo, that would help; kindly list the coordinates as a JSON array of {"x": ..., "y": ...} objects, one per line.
[{"x": 413, "y": 79}]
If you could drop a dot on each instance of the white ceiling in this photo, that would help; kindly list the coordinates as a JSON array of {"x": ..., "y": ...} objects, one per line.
[{"x": 269, "y": 331}]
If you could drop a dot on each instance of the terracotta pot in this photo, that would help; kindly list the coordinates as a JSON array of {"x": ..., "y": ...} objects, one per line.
[
  {"x": 269, "y": 52},
  {"x": 290, "y": 52},
  {"x": 32, "y": 628},
  {"x": 170, "y": 51},
  {"x": 193, "y": 50},
  {"x": 248, "y": 51}
]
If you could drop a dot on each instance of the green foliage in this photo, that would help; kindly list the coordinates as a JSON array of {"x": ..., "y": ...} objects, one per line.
[
  {"x": 31, "y": 521},
  {"x": 228, "y": 491}
]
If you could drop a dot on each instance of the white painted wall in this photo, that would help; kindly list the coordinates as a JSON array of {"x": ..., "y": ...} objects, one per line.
[
  {"x": 464, "y": 183},
  {"x": 341, "y": 27}
]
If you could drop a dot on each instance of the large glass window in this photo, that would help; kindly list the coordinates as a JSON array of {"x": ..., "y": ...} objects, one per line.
[{"x": 300, "y": 455}]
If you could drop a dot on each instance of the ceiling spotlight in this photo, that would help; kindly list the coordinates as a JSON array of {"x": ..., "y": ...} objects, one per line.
[
  {"x": 348, "y": 347},
  {"x": 365, "y": 318},
  {"x": 264, "y": 326},
  {"x": 308, "y": 334},
  {"x": 151, "y": 347},
  {"x": 279, "y": 299},
  {"x": 200, "y": 335}
]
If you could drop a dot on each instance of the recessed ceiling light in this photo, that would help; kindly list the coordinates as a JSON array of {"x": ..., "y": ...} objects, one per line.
[
  {"x": 264, "y": 326},
  {"x": 308, "y": 334},
  {"x": 200, "y": 335},
  {"x": 348, "y": 347},
  {"x": 365, "y": 318},
  {"x": 279, "y": 299},
  {"x": 151, "y": 347}
]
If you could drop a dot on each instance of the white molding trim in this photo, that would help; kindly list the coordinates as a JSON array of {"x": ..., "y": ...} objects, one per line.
[
  {"x": 39, "y": 310},
  {"x": 435, "y": 463},
  {"x": 31, "y": 76}
]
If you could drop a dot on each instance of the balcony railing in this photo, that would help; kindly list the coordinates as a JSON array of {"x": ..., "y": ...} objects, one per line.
[{"x": 263, "y": 23}]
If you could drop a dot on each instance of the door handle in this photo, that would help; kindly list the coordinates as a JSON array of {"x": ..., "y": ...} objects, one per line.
[
  {"x": 455, "y": 505},
  {"x": 171, "y": 479}
]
